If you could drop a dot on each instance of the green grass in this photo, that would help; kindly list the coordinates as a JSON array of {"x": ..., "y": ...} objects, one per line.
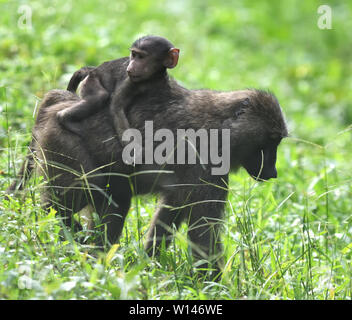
[{"x": 285, "y": 239}]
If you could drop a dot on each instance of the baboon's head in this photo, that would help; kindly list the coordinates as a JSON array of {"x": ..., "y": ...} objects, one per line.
[{"x": 257, "y": 128}]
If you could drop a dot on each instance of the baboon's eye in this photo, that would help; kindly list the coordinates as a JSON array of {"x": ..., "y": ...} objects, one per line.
[
  {"x": 245, "y": 102},
  {"x": 240, "y": 108},
  {"x": 238, "y": 112}
]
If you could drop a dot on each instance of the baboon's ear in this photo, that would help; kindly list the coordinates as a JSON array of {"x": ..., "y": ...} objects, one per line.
[{"x": 172, "y": 58}]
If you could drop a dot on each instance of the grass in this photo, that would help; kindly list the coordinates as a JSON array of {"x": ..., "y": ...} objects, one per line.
[{"x": 289, "y": 238}]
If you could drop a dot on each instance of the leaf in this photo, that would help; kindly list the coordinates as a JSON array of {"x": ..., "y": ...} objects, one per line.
[
  {"x": 347, "y": 249},
  {"x": 111, "y": 253}
]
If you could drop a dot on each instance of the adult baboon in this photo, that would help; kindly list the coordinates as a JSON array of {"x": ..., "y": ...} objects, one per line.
[{"x": 81, "y": 172}]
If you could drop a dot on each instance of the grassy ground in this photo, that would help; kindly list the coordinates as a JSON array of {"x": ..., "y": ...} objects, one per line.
[{"x": 285, "y": 239}]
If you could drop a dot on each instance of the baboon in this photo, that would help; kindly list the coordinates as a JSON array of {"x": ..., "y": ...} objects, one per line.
[
  {"x": 146, "y": 67},
  {"x": 92, "y": 172}
]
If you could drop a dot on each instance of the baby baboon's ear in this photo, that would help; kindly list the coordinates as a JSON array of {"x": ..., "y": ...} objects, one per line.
[{"x": 172, "y": 58}]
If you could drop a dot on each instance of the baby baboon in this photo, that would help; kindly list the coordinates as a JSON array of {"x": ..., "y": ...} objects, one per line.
[{"x": 147, "y": 70}]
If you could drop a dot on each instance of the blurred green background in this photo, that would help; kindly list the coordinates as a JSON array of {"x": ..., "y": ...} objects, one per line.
[
  {"x": 225, "y": 45},
  {"x": 301, "y": 236}
]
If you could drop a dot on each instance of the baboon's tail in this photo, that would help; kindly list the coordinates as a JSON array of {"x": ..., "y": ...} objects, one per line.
[
  {"x": 77, "y": 77},
  {"x": 25, "y": 172}
]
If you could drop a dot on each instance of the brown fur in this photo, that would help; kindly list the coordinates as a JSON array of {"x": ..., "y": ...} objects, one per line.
[{"x": 190, "y": 193}]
